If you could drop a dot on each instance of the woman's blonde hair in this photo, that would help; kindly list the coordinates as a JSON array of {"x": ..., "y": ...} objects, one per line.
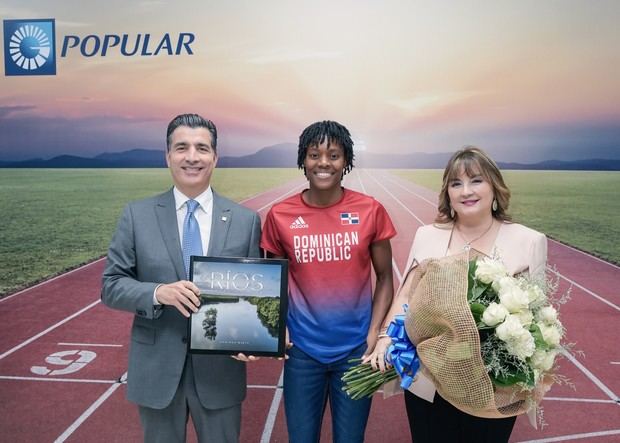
[{"x": 474, "y": 161}]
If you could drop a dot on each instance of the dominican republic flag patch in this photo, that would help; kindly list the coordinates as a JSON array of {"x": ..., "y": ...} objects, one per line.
[{"x": 349, "y": 218}]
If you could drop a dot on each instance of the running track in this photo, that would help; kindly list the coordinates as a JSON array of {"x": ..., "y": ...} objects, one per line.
[{"x": 63, "y": 354}]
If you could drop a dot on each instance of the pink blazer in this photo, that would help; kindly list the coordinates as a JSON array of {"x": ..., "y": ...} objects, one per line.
[{"x": 520, "y": 248}]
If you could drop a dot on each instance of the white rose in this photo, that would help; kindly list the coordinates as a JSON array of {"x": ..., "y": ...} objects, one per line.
[
  {"x": 549, "y": 360},
  {"x": 538, "y": 359},
  {"x": 509, "y": 329},
  {"x": 547, "y": 315},
  {"x": 543, "y": 360},
  {"x": 551, "y": 333},
  {"x": 535, "y": 294},
  {"x": 489, "y": 270},
  {"x": 504, "y": 283},
  {"x": 525, "y": 317},
  {"x": 522, "y": 346},
  {"x": 494, "y": 314},
  {"x": 513, "y": 298}
]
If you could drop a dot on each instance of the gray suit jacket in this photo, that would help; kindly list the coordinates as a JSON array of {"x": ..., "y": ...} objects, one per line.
[{"x": 146, "y": 251}]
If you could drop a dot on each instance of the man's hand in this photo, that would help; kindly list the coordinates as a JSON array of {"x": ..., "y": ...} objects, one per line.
[{"x": 183, "y": 295}]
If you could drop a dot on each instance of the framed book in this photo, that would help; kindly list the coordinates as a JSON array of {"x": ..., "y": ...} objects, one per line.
[{"x": 243, "y": 306}]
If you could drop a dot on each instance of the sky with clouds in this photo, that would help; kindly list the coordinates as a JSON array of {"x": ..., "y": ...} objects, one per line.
[{"x": 526, "y": 80}]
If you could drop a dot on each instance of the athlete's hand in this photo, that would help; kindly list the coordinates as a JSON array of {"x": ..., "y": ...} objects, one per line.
[
  {"x": 287, "y": 345},
  {"x": 377, "y": 357},
  {"x": 183, "y": 295}
]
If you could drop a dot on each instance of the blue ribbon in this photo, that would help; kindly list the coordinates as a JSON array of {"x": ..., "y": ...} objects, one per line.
[{"x": 401, "y": 353}]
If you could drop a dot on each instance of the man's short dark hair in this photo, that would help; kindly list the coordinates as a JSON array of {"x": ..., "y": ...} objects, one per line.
[
  {"x": 191, "y": 121},
  {"x": 334, "y": 132}
]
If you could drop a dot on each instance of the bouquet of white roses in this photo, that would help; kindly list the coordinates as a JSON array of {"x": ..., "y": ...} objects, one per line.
[{"x": 519, "y": 331}]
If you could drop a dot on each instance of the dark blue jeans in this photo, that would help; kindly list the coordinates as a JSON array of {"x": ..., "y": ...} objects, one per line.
[{"x": 308, "y": 385}]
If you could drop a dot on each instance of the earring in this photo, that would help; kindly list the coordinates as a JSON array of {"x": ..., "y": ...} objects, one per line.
[
  {"x": 451, "y": 212},
  {"x": 494, "y": 205}
]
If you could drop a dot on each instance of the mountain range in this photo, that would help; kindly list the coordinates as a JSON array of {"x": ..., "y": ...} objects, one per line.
[{"x": 284, "y": 155}]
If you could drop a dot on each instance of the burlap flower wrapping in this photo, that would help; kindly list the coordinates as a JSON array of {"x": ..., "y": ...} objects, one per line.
[{"x": 439, "y": 322}]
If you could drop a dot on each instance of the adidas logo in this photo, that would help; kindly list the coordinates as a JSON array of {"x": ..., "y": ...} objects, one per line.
[{"x": 299, "y": 223}]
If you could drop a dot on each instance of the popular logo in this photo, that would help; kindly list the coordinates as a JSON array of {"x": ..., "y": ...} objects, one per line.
[{"x": 29, "y": 47}]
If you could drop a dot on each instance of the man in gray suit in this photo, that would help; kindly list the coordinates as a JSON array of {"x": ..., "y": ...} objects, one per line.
[{"x": 146, "y": 274}]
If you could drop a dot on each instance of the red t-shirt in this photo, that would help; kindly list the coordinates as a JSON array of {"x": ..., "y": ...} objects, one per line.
[{"x": 330, "y": 292}]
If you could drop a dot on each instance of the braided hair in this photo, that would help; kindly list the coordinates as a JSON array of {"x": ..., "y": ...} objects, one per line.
[{"x": 334, "y": 132}]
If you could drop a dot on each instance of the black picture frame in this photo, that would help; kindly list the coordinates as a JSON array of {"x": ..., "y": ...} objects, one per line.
[{"x": 244, "y": 303}]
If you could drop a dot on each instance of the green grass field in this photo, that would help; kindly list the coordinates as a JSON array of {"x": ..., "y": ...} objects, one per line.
[
  {"x": 53, "y": 220},
  {"x": 579, "y": 208}
]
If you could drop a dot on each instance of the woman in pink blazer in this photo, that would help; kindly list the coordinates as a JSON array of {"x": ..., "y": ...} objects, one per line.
[{"x": 471, "y": 215}]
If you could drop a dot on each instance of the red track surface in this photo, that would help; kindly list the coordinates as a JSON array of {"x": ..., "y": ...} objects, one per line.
[{"x": 64, "y": 314}]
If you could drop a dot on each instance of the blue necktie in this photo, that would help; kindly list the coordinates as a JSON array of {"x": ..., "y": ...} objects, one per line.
[{"x": 192, "y": 243}]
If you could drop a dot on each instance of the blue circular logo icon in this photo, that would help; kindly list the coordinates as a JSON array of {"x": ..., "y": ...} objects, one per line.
[{"x": 29, "y": 47}]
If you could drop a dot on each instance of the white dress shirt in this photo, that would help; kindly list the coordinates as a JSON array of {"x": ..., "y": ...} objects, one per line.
[{"x": 203, "y": 214}]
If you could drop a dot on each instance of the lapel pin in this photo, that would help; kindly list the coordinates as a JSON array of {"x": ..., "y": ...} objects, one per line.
[{"x": 224, "y": 218}]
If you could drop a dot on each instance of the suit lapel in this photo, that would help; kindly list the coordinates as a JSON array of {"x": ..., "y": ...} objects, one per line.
[
  {"x": 165, "y": 211},
  {"x": 220, "y": 223}
]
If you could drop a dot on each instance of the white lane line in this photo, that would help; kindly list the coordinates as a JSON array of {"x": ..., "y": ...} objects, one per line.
[
  {"x": 68, "y": 380},
  {"x": 51, "y": 328},
  {"x": 580, "y": 400},
  {"x": 273, "y": 411},
  {"x": 281, "y": 197},
  {"x": 396, "y": 199},
  {"x": 262, "y": 387},
  {"x": 581, "y": 367},
  {"x": 394, "y": 264},
  {"x": 82, "y": 418},
  {"x": 574, "y": 436},
  {"x": 586, "y": 254},
  {"x": 593, "y": 378},
  {"x": 52, "y": 279},
  {"x": 359, "y": 179},
  {"x": 433, "y": 204},
  {"x": 587, "y": 291},
  {"x": 90, "y": 345}
]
